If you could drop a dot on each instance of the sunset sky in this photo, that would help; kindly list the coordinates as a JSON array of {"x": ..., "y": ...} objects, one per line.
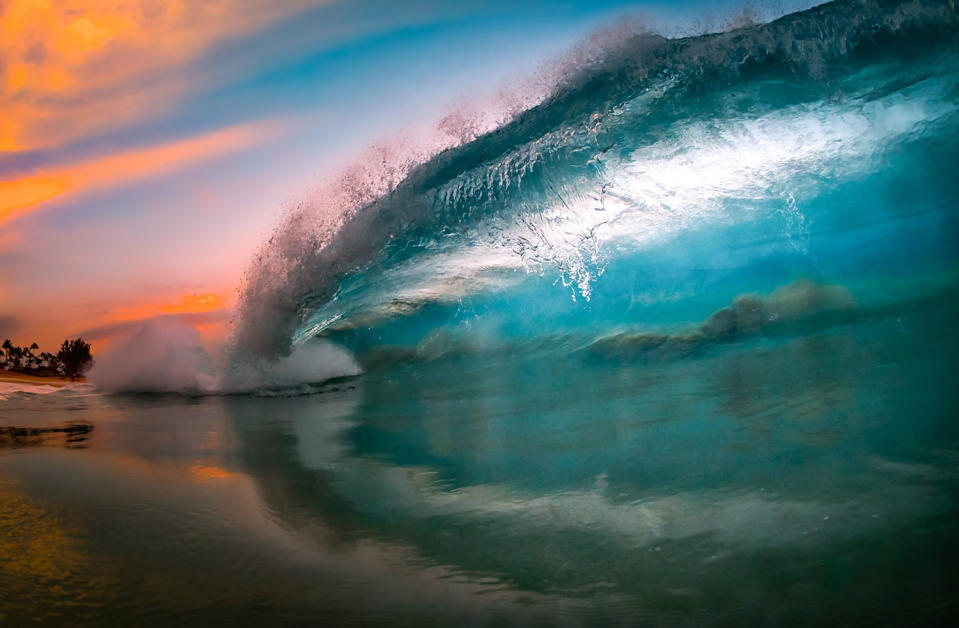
[{"x": 147, "y": 148}]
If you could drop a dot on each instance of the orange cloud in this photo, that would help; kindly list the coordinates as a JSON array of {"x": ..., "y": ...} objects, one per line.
[
  {"x": 70, "y": 68},
  {"x": 209, "y": 314},
  {"x": 24, "y": 194},
  {"x": 188, "y": 304},
  {"x": 21, "y": 194}
]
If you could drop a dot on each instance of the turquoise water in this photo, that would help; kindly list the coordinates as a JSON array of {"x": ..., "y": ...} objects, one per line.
[
  {"x": 804, "y": 478},
  {"x": 678, "y": 345}
]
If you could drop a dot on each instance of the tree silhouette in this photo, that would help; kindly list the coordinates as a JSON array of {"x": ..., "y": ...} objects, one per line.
[
  {"x": 51, "y": 361},
  {"x": 75, "y": 358},
  {"x": 30, "y": 358},
  {"x": 14, "y": 355}
]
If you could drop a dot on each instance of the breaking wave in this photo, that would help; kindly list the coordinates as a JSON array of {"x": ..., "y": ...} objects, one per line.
[
  {"x": 660, "y": 182},
  {"x": 654, "y": 157},
  {"x": 162, "y": 356}
]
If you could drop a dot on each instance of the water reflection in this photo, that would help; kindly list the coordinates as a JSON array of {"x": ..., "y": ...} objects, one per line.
[
  {"x": 807, "y": 476},
  {"x": 74, "y": 435},
  {"x": 772, "y": 463}
]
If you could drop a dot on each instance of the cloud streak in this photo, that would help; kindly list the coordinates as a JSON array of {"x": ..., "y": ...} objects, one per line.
[
  {"x": 207, "y": 311},
  {"x": 188, "y": 304},
  {"x": 26, "y": 194},
  {"x": 73, "y": 68}
]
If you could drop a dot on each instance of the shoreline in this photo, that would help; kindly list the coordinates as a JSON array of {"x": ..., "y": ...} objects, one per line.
[{"x": 38, "y": 380}]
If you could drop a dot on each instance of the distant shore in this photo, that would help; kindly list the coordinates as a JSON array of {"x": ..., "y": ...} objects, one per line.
[{"x": 37, "y": 380}]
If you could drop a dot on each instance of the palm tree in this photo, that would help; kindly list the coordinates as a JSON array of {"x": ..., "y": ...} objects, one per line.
[
  {"x": 14, "y": 355},
  {"x": 75, "y": 357},
  {"x": 50, "y": 362},
  {"x": 31, "y": 360}
]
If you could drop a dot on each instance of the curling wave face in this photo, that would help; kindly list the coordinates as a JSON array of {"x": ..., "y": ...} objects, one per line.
[{"x": 603, "y": 205}]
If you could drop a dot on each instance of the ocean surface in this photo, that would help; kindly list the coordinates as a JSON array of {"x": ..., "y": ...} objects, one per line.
[{"x": 677, "y": 345}]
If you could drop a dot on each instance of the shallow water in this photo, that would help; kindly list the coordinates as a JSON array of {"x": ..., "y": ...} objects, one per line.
[{"x": 797, "y": 478}]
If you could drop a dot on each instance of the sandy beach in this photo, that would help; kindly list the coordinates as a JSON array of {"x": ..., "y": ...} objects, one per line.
[{"x": 33, "y": 380}]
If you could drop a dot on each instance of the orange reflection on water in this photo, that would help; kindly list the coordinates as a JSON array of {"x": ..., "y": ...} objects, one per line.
[
  {"x": 40, "y": 551},
  {"x": 203, "y": 472}
]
